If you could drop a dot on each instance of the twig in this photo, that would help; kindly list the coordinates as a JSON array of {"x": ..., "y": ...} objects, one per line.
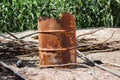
[
  {"x": 105, "y": 50},
  {"x": 71, "y": 64},
  {"x": 12, "y": 34},
  {"x": 99, "y": 47},
  {"x": 63, "y": 65},
  {"x": 117, "y": 65},
  {"x": 91, "y": 32},
  {"x": 99, "y": 66},
  {"x": 28, "y": 35},
  {"x": 17, "y": 39},
  {"x": 93, "y": 73},
  {"x": 108, "y": 38},
  {"x": 18, "y": 48}
]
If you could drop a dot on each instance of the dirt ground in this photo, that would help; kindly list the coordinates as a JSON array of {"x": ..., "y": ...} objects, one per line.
[{"x": 32, "y": 71}]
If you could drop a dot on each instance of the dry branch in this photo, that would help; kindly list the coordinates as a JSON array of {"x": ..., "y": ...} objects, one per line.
[
  {"x": 98, "y": 47},
  {"x": 13, "y": 71},
  {"x": 28, "y": 35},
  {"x": 108, "y": 38},
  {"x": 13, "y": 48},
  {"x": 113, "y": 64},
  {"x": 91, "y": 32},
  {"x": 99, "y": 66},
  {"x": 103, "y": 50},
  {"x": 11, "y": 34}
]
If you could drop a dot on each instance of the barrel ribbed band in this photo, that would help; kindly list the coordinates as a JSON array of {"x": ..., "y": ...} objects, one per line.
[{"x": 56, "y": 49}]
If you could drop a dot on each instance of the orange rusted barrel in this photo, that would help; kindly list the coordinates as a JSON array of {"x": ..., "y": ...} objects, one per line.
[{"x": 57, "y": 40}]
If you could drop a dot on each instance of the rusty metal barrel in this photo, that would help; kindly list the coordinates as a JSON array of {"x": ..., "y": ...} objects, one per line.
[{"x": 57, "y": 40}]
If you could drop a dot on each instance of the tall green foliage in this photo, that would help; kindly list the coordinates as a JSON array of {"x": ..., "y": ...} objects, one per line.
[{"x": 20, "y": 15}]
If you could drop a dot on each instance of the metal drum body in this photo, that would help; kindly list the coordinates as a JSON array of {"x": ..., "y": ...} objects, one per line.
[{"x": 57, "y": 40}]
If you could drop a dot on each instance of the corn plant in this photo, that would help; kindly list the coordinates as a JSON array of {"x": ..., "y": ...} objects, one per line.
[{"x": 20, "y": 15}]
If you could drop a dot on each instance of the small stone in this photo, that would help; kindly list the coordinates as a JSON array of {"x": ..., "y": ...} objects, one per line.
[{"x": 19, "y": 63}]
